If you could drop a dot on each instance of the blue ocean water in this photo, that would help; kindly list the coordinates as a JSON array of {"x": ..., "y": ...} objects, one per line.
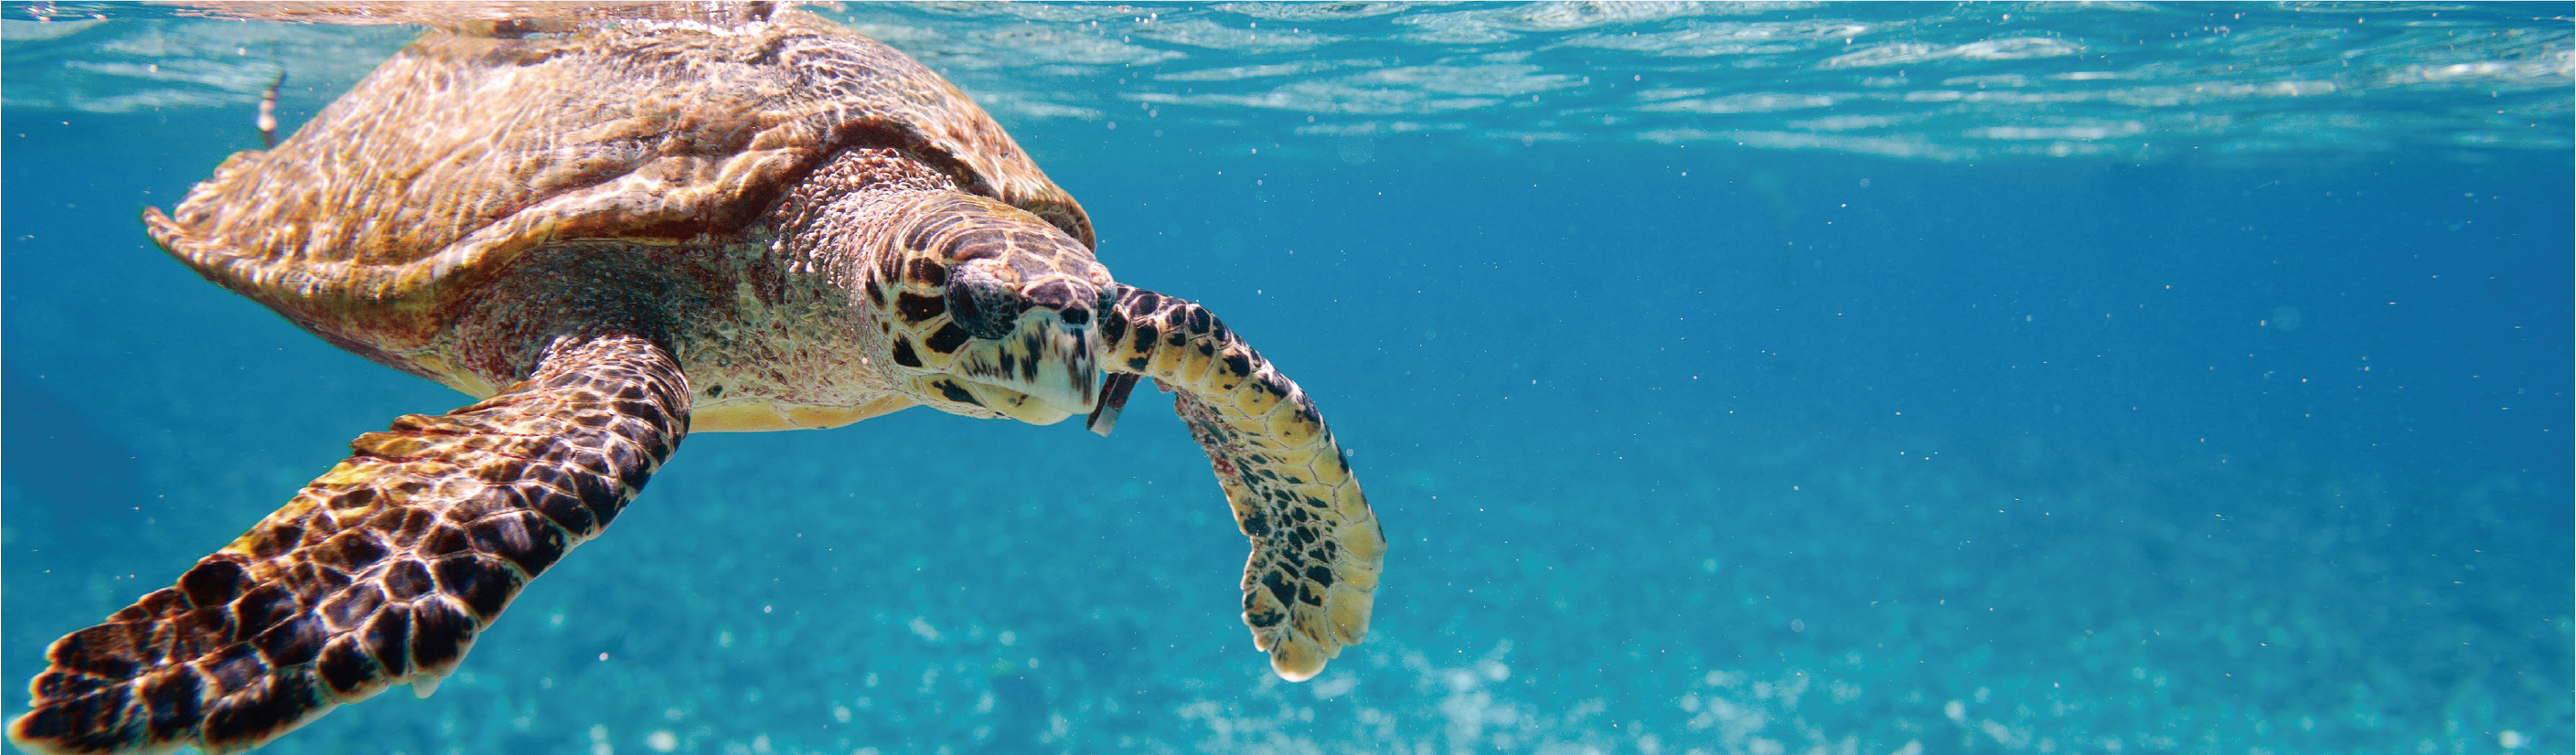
[{"x": 1853, "y": 380}]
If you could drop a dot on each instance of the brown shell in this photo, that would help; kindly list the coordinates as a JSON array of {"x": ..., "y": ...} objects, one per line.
[{"x": 464, "y": 152}]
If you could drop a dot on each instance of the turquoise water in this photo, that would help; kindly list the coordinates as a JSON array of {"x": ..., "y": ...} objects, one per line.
[{"x": 1855, "y": 380}]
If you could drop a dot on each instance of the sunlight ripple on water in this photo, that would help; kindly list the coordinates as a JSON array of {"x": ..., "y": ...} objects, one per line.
[{"x": 2116, "y": 80}]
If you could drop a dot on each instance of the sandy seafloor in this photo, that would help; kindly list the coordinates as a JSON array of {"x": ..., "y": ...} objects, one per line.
[{"x": 1681, "y": 447}]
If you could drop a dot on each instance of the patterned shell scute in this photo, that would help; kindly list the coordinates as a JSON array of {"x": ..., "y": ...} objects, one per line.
[{"x": 462, "y": 152}]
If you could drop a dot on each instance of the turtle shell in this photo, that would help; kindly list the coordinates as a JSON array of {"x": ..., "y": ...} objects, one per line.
[{"x": 464, "y": 152}]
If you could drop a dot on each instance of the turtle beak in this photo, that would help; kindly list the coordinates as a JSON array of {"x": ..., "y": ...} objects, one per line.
[{"x": 1043, "y": 371}]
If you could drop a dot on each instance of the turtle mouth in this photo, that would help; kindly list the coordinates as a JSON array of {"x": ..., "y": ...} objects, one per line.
[{"x": 1041, "y": 372}]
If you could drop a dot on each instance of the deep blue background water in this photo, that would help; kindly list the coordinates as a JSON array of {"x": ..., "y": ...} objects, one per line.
[{"x": 1679, "y": 448}]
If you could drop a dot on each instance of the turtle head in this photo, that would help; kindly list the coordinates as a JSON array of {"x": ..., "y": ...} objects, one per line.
[{"x": 991, "y": 311}]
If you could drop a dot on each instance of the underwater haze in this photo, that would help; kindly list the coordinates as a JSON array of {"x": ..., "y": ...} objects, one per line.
[{"x": 1767, "y": 379}]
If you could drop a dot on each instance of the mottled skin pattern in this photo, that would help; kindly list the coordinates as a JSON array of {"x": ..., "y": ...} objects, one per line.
[
  {"x": 379, "y": 572},
  {"x": 1316, "y": 548},
  {"x": 794, "y": 227}
]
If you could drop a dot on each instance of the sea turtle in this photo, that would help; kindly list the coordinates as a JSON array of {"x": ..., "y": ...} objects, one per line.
[{"x": 614, "y": 233}]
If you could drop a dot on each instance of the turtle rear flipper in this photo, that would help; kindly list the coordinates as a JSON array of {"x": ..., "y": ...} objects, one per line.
[
  {"x": 381, "y": 571},
  {"x": 1316, "y": 547}
]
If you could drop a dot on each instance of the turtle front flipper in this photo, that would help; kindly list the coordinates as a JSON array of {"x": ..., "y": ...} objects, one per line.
[
  {"x": 1316, "y": 548},
  {"x": 380, "y": 572}
]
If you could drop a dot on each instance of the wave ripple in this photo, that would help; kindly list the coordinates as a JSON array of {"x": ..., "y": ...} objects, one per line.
[{"x": 2124, "y": 81}]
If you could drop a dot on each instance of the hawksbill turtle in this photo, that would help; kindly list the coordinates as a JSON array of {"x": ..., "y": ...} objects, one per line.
[{"x": 613, "y": 233}]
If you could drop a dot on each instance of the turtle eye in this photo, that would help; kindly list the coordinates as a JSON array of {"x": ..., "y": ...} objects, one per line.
[{"x": 982, "y": 303}]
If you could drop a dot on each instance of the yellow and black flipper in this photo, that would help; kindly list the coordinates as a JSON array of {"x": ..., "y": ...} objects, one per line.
[{"x": 1316, "y": 547}]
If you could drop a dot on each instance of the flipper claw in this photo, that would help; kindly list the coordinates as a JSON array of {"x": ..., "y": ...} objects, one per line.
[{"x": 1113, "y": 399}]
